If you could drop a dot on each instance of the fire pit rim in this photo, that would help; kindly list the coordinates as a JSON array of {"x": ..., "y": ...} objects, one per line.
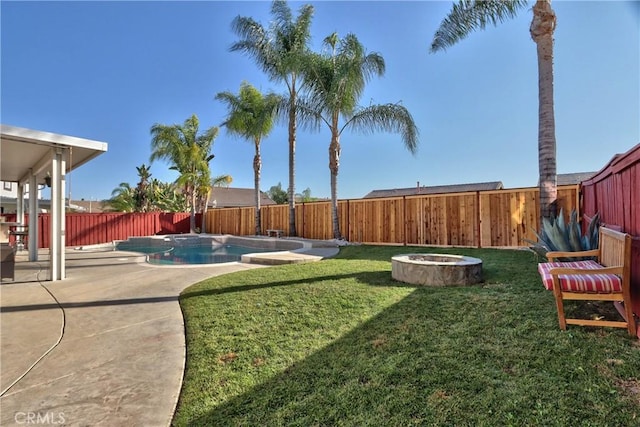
[{"x": 459, "y": 259}]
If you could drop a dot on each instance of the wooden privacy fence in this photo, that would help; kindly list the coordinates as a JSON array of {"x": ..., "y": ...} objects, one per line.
[
  {"x": 615, "y": 193},
  {"x": 479, "y": 219},
  {"x": 93, "y": 228}
]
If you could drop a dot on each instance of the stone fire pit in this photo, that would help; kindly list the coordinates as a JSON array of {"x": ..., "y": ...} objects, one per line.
[{"x": 436, "y": 269}]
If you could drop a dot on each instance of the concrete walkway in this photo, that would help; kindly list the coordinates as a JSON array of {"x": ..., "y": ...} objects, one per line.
[{"x": 104, "y": 347}]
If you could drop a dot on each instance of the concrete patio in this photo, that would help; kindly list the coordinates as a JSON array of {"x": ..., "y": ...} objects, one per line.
[{"x": 106, "y": 346}]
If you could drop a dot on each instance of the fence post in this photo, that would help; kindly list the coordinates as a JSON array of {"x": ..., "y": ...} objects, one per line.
[
  {"x": 579, "y": 207},
  {"x": 478, "y": 219},
  {"x": 404, "y": 218},
  {"x": 348, "y": 221}
]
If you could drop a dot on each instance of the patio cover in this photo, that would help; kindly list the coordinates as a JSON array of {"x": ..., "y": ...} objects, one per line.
[{"x": 26, "y": 157}]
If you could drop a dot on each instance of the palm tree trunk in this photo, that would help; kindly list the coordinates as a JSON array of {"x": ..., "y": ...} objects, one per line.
[
  {"x": 257, "y": 165},
  {"x": 203, "y": 225},
  {"x": 192, "y": 212},
  {"x": 542, "y": 27},
  {"x": 334, "y": 163},
  {"x": 292, "y": 160}
]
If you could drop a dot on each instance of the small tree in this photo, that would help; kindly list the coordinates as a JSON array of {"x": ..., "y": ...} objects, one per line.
[
  {"x": 166, "y": 197},
  {"x": 277, "y": 194},
  {"x": 150, "y": 195},
  {"x": 141, "y": 195},
  {"x": 305, "y": 196}
]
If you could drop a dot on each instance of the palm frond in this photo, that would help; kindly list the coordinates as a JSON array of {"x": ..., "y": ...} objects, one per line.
[
  {"x": 282, "y": 16},
  {"x": 467, "y": 16},
  {"x": 309, "y": 114},
  {"x": 250, "y": 114},
  {"x": 278, "y": 49},
  {"x": 393, "y": 118},
  {"x": 221, "y": 181}
]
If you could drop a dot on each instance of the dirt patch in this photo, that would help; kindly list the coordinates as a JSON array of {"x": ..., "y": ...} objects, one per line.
[{"x": 630, "y": 388}]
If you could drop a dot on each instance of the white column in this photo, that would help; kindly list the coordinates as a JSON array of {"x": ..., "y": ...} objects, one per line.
[
  {"x": 20, "y": 215},
  {"x": 57, "y": 258},
  {"x": 62, "y": 155},
  {"x": 33, "y": 218},
  {"x": 20, "y": 204}
]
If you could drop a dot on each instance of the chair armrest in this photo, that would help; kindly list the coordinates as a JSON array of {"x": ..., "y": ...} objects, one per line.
[{"x": 552, "y": 255}]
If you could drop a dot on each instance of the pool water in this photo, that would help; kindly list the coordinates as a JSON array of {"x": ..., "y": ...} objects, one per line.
[{"x": 200, "y": 254}]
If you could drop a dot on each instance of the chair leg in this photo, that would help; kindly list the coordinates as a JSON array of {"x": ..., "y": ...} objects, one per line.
[
  {"x": 560, "y": 307},
  {"x": 631, "y": 320}
]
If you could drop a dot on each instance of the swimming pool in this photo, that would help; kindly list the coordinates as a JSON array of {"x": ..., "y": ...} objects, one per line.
[{"x": 189, "y": 250}]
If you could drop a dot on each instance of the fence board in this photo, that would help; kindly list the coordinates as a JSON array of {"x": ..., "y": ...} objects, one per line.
[
  {"x": 316, "y": 222},
  {"x": 377, "y": 221},
  {"x": 274, "y": 217},
  {"x": 414, "y": 221},
  {"x": 510, "y": 217},
  {"x": 94, "y": 228}
]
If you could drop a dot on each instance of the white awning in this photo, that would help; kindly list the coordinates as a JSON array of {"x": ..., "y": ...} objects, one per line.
[
  {"x": 24, "y": 150},
  {"x": 28, "y": 156}
]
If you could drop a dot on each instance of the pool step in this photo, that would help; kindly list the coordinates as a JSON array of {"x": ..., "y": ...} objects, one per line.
[{"x": 287, "y": 257}]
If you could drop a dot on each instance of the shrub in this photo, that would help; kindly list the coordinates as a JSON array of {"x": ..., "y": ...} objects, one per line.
[{"x": 557, "y": 235}]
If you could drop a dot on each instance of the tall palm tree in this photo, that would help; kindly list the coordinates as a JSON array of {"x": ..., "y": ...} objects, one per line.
[
  {"x": 251, "y": 116},
  {"x": 280, "y": 52},
  {"x": 188, "y": 152},
  {"x": 469, "y": 15},
  {"x": 336, "y": 81}
]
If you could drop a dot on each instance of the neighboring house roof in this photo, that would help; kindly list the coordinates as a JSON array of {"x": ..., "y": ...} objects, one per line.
[
  {"x": 226, "y": 197},
  {"x": 573, "y": 178},
  {"x": 438, "y": 189}
]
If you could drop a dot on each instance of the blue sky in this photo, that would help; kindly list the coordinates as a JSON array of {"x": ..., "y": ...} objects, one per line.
[{"x": 109, "y": 70}]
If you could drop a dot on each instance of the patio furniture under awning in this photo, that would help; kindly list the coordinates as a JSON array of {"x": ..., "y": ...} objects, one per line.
[{"x": 29, "y": 156}]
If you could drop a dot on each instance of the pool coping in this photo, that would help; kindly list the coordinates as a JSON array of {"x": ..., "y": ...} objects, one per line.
[{"x": 309, "y": 250}]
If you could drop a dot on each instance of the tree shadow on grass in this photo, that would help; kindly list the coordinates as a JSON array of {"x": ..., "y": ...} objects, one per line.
[
  {"x": 498, "y": 266},
  {"x": 434, "y": 358},
  {"x": 371, "y": 278}
]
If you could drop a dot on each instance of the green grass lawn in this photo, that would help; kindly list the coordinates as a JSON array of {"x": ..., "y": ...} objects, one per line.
[{"x": 339, "y": 342}]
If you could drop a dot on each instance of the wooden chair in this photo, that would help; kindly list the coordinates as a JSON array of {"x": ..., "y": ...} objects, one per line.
[{"x": 608, "y": 278}]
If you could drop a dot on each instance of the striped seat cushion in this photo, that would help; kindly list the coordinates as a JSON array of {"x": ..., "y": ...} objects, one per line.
[{"x": 595, "y": 283}]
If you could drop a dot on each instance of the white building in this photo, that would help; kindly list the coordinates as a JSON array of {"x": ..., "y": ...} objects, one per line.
[{"x": 9, "y": 196}]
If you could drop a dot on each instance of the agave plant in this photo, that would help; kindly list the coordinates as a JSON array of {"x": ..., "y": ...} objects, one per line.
[{"x": 557, "y": 235}]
